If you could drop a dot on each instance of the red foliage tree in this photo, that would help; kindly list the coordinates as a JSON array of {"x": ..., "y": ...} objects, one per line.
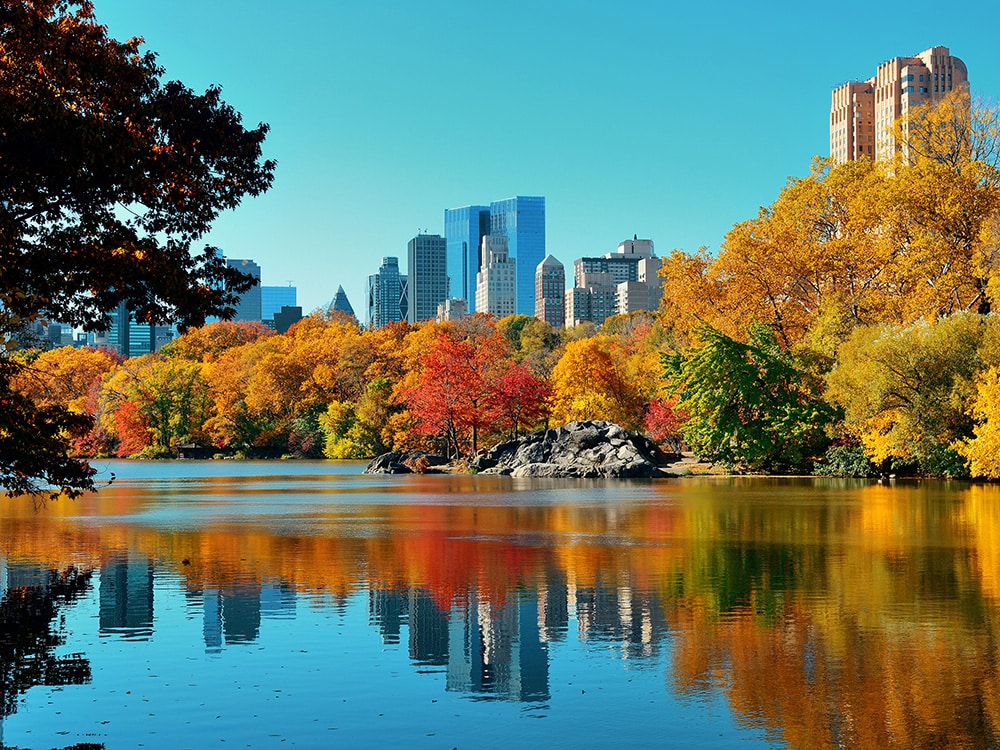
[
  {"x": 519, "y": 399},
  {"x": 663, "y": 423},
  {"x": 454, "y": 396}
]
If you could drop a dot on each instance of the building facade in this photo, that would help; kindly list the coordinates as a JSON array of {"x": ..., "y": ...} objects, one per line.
[
  {"x": 464, "y": 229},
  {"x": 387, "y": 294},
  {"x": 452, "y": 308},
  {"x": 550, "y": 292},
  {"x": 521, "y": 220},
  {"x": 129, "y": 338},
  {"x": 341, "y": 304},
  {"x": 496, "y": 282},
  {"x": 273, "y": 298},
  {"x": 249, "y": 306},
  {"x": 427, "y": 272},
  {"x": 863, "y": 114},
  {"x": 615, "y": 283}
]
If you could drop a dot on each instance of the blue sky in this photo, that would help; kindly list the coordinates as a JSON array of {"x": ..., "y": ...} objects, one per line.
[{"x": 668, "y": 120}]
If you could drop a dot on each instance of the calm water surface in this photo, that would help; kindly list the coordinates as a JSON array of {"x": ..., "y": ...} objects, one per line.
[{"x": 224, "y": 604}]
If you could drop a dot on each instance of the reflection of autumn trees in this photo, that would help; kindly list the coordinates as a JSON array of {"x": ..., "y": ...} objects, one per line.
[
  {"x": 864, "y": 617},
  {"x": 29, "y": 637}
]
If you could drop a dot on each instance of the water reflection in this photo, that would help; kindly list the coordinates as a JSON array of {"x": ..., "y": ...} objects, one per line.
[
  {"x": 30, "y": 632},
  {"x": 827, "y": 614}
]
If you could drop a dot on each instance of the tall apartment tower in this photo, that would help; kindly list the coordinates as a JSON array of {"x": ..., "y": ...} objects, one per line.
[
  {"x": 863, "y": 114},
  {"x": 550, "y": 292},
  {"x": 387, "y": 294},
  {"x": 249, "y": 306},
  {"x": 521, "y": 220},
  {"x": 464, "y": 229},
  {"x": 427, "y": 256},
  {"x": 496, "y": 282}
]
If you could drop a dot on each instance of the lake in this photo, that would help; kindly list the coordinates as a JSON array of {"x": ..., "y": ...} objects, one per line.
[{"x": 304, "y": 604}]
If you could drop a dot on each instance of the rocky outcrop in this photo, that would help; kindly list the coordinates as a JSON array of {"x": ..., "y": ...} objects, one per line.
[
  {"x": 579, "y": 449},
  {"x": 396, "y": 462}
]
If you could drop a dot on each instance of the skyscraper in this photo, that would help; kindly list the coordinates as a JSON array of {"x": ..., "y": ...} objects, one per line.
[
  {"x": 863, "y": 114},
  {"x": 387, "y": 292},
  {"x": 428, "y": 276},
  {"x": 550, "y": 292},
  {"x": 464, "y": 229},
  {"x": 341, "y": 303},
  {"x": 273, "y": 298},
  {"x": 496, "y": 279},
  {"x": 615, "y": 283},
  {"x": 249, "y": 306},
  {"x": 522, "y": 220}
]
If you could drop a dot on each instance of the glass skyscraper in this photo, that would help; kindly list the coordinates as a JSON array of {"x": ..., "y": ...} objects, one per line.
[
  {"x": 387, "y": 294},
  {"x": 273, "y": 298},
  {"x": 522, "y": 220},
  {"x": 248, "y": 308},
  {"x": 464, "y": 229}
]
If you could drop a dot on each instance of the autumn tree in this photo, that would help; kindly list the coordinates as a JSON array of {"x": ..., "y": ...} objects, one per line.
[
  {"x": 207, "y": 343},
  {"x": 455, "y": 390},
  {"x": 109, "y": 176},
  {"x": 170, "y": 395},
  {"x": 591, "y": 381},
  {"x": 906, "y": 391}
]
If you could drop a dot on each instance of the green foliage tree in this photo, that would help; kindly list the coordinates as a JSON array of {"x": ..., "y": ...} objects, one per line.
[
  {"x": 748, "y": 405},
  {"x": 109, "y": 176}
]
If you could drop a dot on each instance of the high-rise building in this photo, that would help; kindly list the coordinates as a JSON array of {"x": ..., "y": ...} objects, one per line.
[
  {"x": 497, "y": 278},
  {"x": 249, "y": 306},
  {"x": 387, "y": 294},
  {"x": 130, "y": 338},
  {"x": 341, "y": 304},
  {"x": 521, "y": 220},
  {"x": 427, "y": 271},
  {"x": 614, "y": 283},
  {"x": 464, "y": 229},
  {"x": 452, "y": 308},
  {"x": 863, "y": 114},
  {"x": 550, "y": 292},
  {"x": 273, "y": 298}
]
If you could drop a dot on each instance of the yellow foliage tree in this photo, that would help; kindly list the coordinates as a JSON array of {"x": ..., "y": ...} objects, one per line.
[{"x": 983, "y": 449}]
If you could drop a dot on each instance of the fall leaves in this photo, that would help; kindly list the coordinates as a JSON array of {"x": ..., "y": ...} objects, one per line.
[{"x": 329, "y": 388}]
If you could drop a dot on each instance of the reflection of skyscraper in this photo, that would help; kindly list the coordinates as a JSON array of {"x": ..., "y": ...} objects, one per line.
[
  {"x": 126, "y": 596},
  {"x": 389, "y": 610},
  {"x": 233, "y": 615},
  {"x": 498, "y": 650},
  {"x": 241, "y": 613},
  {"x": 386, "y": 612},
  {"x": 553, "y": 606},
  {"x": 212, "y": 620},
  {"x": 428, "y": 631},
  {"x": 617, "y": 614},
  {"x": 277, "y": 601}
]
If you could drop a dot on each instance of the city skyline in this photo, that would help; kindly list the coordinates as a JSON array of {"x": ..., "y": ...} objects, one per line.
[{"x": 668, "y": 133}]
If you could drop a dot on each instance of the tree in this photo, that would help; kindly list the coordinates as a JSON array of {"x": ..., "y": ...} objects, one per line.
[
  {"x": 591, "y": 381},
  {"x": 983, "y": 450},
  {"x": 455, "y": 388},
  {"x": 519, "y": 399},
  {"x": 906, "y": 391},
  {"x": 748, "y": 405},
  {"x": 169, "y": 393},
  {"x": 108, "y": 178}
]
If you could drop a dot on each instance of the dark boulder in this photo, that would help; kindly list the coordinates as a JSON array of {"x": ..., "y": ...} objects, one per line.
[{"x": 585, "y": 449}]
